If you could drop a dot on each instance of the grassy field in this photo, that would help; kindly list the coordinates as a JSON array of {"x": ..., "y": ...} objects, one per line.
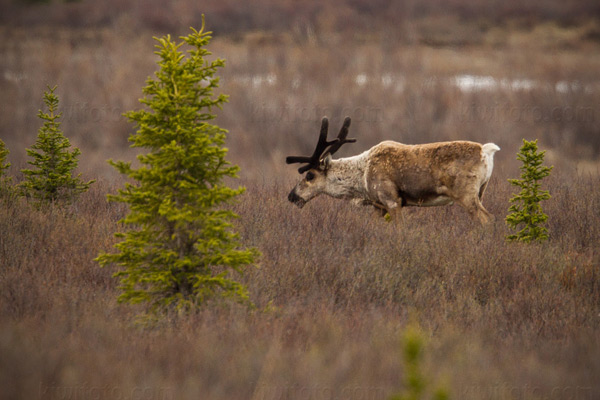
[
  {"x": 335, "y": 286},
  {"x": 334, "y": 289}
]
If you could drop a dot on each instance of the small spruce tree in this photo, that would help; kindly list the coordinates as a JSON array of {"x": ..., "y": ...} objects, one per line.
[
  {"x": 3, "y": 155},
  {"x": 51, "y": 179},
  {"x": 416, "y": 385},
  {"x": 4, "y": 180},
  {"x": 526, "y": 212},
  {"x": 179, "y": 249}
]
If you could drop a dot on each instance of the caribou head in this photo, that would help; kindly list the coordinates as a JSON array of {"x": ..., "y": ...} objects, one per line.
[{"x": 318, "y": 165}]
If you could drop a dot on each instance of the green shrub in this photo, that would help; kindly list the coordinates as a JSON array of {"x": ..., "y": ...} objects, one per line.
[
  {"x": 3, "y": 155},
  {"x": 415, "y": 383},
  {"x": 51, "y": 179},
  {"x": 5, "y": 187},
  {"x": 179, "y": 249},
  {"x": 526, "y": 212}
]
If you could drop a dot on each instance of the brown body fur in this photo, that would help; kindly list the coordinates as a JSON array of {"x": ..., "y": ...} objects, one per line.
[{"x": 431, "y": 174}]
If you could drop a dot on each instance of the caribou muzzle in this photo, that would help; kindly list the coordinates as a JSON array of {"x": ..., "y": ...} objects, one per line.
[{"x": 297, "y": 200}]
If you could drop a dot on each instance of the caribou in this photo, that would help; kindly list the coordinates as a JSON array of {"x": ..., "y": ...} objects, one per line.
[{"x": 391, "y": 175}]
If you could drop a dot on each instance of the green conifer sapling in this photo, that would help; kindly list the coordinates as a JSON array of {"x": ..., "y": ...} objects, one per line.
[
  {"x": 526, "y": 212},
  {"x": 3, "y": 156},
  {"x": 51, "y": 178},
  {"x": 4, "y": 181},
  {"x": 179, "y": 249},
  {"x": 415, "y": 383}
]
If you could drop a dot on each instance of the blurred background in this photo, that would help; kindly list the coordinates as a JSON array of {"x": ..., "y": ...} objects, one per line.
[{"x": 411, "y": 71}]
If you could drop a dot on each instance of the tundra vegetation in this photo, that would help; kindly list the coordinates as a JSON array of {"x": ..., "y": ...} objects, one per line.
[{"x": 336, "y": 287}]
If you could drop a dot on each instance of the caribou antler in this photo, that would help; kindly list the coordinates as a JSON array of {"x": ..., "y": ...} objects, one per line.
[
  {"x": 341, "y": 138},
  {"x": 324, "y": 147}
]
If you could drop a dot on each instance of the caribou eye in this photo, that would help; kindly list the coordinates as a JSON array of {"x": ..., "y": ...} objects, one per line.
[{"x": 310, "y": 176}]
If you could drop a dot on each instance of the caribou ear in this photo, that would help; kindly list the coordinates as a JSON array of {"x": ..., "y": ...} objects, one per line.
[{"x": 326, "y": 162}]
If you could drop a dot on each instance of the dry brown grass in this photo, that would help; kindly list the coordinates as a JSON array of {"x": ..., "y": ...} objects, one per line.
[
  {"x": 336, "y": 286},
  {"x": 334, "y": 290}
]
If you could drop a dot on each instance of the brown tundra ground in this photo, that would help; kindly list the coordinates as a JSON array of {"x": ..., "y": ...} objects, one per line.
[{"x": 335, "y": 286}]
